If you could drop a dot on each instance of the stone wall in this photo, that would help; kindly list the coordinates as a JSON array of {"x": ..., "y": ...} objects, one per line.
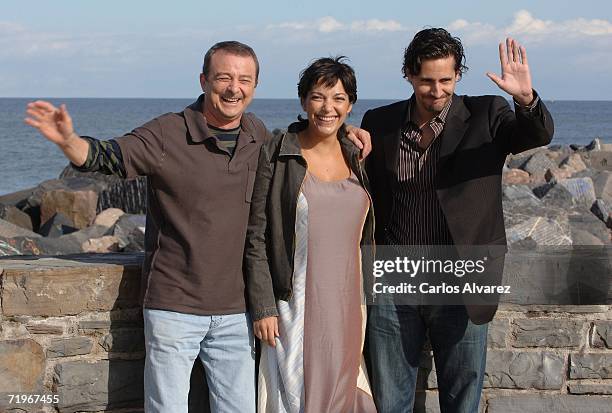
[{"x": 72, "y": 328}]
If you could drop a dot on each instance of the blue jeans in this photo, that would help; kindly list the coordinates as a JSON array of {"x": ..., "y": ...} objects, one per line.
[
  {"x": 396, "y": 335},
  {"x": 224, "y": 344}
]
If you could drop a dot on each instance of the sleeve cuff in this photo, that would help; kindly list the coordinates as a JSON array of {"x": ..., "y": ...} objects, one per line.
[
  {"x": 531, "y": 106},
  {"x": 86, "y": 167},
  {"x": 266, "y": 312}
]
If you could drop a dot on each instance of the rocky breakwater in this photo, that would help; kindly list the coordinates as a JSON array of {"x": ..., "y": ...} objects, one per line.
[
  {"x": 557, "y": 195},
  {"x": 78, "y": 212}
]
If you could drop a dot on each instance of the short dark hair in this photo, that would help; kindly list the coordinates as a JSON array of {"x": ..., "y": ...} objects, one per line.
[
  {"x": 327, "y": 71},
  {"x": 433, "y": 43},
  {"x": 231, "y": 47}
]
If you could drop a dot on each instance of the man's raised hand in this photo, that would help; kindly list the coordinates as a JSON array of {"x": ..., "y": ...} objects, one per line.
[
  {"x": 515, "y": 77},
  {"x": 55, "y": 124}
]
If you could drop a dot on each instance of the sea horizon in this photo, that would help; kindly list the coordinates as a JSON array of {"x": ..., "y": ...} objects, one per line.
[{"x": 28, "y": 159}]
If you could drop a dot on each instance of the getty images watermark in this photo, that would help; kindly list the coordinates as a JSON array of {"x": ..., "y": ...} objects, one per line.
[{"x": 487, "y": 274}]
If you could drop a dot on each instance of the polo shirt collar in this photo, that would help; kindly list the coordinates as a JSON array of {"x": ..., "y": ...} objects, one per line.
[{"x": 198, "y": 128}]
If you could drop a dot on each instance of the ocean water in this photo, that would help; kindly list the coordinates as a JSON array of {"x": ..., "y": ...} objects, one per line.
[{"x": 26, "y": 158}]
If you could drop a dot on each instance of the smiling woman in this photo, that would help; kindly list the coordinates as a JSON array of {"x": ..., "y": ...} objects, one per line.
[{"x": 308, "y": 305}]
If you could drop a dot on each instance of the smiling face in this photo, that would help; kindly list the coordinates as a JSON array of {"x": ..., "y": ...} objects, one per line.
[
  {"x": 229, "y": 88},
  {"x": 434, "y": 85},
  {"x": 326, "y": 109}
]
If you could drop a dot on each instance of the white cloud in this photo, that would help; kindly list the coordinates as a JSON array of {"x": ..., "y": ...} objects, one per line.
[
  {"x": 376, "y": 25},
  {"x": 329, "y": 24},
  {"x": 532, "y": 28}
]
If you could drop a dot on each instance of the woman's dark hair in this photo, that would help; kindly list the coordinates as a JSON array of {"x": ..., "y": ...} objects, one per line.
[
  {"x": 327, "y": 71},
  {"x": 433, "y": 43},
  {"x": 231, "y": 47}
]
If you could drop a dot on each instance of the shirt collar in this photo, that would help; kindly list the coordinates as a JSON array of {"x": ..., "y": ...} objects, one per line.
[{"x": 439, "y": 118}]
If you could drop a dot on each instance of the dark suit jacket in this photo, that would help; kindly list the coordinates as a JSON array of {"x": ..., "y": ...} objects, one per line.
[{"x": 479, "y": 132}]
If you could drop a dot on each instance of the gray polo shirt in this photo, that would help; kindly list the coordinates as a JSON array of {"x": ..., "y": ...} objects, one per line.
[{"x": 198, "y": 209}]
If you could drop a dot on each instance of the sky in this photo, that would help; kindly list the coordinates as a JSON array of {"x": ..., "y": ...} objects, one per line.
[{"x": 136, "y": 48}]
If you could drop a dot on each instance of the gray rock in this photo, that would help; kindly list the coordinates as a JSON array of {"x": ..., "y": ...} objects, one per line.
[
  {"x": 103, "y": 385},
  {"x": 589, "y": 222},
  {"x": 573, "y": 162},
  {"x": 15, "y": 216},
  {"x": 522, "y": 193},
  {"x": 555, "y": 195},
  {"x": 582, "y": 190},
  {"x": 589, "y": 388},
  {"x": 521, "y": 370},
  {"x": 44, "y": 328},
  {"x": 540, "y": 230},
  {"x": 130, "y": 230},
  {"x": 601, "y": 210},
  {"x": 520, "y": 159},
  {"x": 595, "y": 145},
  {"x": 546, "y": 333},
  {"x": 73, "y": 346},
  {"x": 602, "y": 334},
  {"x": 10, "y": 230},
  {"x": 49, "y": 287},
  {"x": 95, "y": 324},
  {"x": 56, "y": 226},
  {"x": 557, "y": 403},
  {"x": 22, "y": 368},
  {"x": 591, "y": 366},
  {"x": 538, "y": 163},
  {"x": 582, "y": 237},
  {"x": 498, "y": 329},
  {"x": 602, "y": 181},
  {"x": 128, "y": 195},
  {"x": 17, "y": 199},
  {"x": 599, "y": 160}
]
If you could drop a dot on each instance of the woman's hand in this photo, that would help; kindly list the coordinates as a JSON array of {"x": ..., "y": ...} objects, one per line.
[{"x": 266, "y": 330}]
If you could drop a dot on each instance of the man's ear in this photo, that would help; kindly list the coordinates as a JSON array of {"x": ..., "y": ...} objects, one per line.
[
  {"x": 202, "y": 81},
  {"x": 302, "y": 104}
]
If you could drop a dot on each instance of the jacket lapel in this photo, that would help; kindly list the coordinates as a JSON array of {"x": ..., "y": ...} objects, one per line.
[
  {"x": 395, "y": 124},
  {"x": 454, "y": 129}
]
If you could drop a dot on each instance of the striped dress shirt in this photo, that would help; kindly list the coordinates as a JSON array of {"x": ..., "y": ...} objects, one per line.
[{"x": 417, "y": 218}]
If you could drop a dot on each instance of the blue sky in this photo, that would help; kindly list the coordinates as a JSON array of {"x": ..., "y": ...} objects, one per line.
[{"x": 154, "y": 49}]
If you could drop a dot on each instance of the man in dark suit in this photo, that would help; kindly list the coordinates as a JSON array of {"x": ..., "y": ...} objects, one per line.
[{"x": 435, "y": 171}]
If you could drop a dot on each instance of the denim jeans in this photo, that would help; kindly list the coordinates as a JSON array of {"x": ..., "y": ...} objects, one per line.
[
  {"x": 396, "y": 335},
  {"x": 224, "y": 344}
]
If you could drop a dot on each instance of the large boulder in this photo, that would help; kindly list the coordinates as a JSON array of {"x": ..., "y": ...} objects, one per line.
[
  {"x": 599, "y": 160},
  {"x": 588, "y": 222},
  {"x": 10, "y": 230},
  {"x": 129, "y": 195},
  {"x": 539, "y": 163},
  {"x": 15, "y": 216},
  {"x": 108, "y": 217},
  {"x": 130, "y": 230},
  {"x": 602, "y": 182},
  {"x": 66, "y": 244},
  {"x": 515, "y": 177},
  {"x": 518, "y": 160},
  {"x": 573, "y": 162},
  {"x": 56, "y": 226},
  {"x": 78, "y": 205},
  {"x": 582, "y": 190},
  {"x": 539, "y": 230}
]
